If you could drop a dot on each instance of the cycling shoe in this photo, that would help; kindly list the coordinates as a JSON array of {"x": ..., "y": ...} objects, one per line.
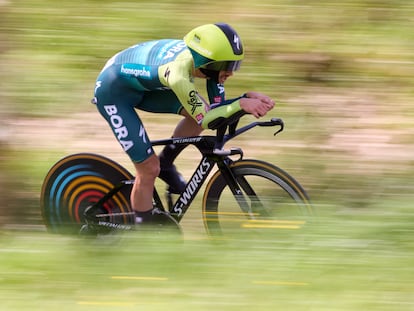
[{"x": 173, "y": 179}]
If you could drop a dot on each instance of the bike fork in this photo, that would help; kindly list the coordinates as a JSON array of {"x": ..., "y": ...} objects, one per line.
[
  {"x": 243, "y": 193},
  {"x": 235, "y": 187}
]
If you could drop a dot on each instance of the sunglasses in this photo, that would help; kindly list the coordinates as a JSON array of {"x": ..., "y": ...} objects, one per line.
[{"x": 224, "y": 66}]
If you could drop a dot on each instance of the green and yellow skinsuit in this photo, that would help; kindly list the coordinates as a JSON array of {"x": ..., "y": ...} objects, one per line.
[{"x": 154, "y": 76}]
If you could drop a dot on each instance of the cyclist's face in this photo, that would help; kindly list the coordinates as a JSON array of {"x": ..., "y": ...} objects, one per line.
[{"x": 223, "y": 75}]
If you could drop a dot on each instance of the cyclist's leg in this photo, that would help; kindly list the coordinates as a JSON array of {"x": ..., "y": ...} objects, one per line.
[
  {"x": 141, "y": 195},
  {"x": 167, "y": 102},
  {"x": 157, "y": 102},
  {"x": 116, "y": 101},
  {"x": 187, "y": 126}
]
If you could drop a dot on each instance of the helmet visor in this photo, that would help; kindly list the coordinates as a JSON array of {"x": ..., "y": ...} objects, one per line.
[{"x": 224, "y": 66}]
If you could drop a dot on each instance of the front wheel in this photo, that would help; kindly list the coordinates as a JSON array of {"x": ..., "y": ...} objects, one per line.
[{"x": 270, "y": 200}]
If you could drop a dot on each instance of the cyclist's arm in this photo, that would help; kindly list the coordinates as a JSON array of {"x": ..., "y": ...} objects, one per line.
[
  {"x": 253, "y": 103},
  {"x": 181, "y": 83},
  {"x": 216, "y": 92},
  {"x": 178, "y": 78},
  {"x": 224, "y": 110}
]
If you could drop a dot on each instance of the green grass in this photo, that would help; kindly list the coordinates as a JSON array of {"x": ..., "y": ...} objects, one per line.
[{"x": 359, "y": 260}]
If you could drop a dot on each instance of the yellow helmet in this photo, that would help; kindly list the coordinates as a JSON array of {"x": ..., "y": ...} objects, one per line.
[{"x": 215, "y": 47}]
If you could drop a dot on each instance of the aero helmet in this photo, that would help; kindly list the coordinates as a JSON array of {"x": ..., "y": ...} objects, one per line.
[{"x": 215, "y": 47}]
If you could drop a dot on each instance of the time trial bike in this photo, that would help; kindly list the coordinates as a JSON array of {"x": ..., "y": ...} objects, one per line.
[{"x": 88, "y": 192}]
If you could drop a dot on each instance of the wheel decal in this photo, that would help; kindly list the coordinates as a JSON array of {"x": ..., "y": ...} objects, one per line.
[
  {"x": 78, "y": 181},
  {"x": 67, "y": 180}
]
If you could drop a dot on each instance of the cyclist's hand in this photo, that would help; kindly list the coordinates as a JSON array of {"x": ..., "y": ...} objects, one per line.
[
  {"x": 262, "y": 97},
  {"x": 257, "y": 104}
]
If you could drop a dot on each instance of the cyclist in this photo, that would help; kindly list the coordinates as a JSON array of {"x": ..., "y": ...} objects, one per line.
[{"x": 158, "y": 76}]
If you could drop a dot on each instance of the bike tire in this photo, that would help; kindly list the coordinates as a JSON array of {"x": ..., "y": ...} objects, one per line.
[
  {"x": 78, "y": 181},
  {"x": 271, "y": 200}
]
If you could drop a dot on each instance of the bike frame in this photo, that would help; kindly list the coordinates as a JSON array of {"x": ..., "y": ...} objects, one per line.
[
  {"x": 211, "y": 149},
  {"x": 211, "y": 156}
]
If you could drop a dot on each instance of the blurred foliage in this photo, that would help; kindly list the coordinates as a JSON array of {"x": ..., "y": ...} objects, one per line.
[
  {"x": 53, "y": 52},
  {"x": 342, "y": 72}
]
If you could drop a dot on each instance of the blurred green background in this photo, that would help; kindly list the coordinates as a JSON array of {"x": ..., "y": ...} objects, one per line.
[{"x": 342, "y": 73}]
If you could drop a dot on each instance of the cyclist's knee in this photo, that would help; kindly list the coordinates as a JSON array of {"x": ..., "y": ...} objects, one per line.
[{"x": 149, "y": 169}]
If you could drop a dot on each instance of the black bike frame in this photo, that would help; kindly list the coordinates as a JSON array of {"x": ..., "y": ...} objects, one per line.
[
  {"x": 193, "y": 186},
  {"x": 211, "y": 149},
  {"x": 211, "y": 155}
]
